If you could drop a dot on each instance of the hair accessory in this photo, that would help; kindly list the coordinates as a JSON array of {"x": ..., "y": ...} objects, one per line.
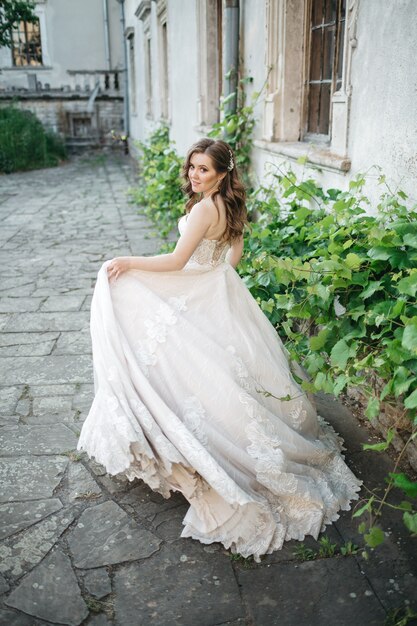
[{"x": 231, "y": 162}]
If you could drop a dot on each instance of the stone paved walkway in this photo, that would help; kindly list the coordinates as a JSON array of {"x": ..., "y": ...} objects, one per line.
[{"x": 81, "y": 547}]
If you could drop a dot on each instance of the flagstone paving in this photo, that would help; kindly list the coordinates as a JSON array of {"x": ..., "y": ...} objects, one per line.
[{"x": 80, "y": 547}]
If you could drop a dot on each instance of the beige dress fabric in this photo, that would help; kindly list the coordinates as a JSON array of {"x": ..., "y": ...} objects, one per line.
[{"x": 184, "y": 365}]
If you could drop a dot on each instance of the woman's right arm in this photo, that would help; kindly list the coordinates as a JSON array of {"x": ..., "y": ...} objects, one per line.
[{"x": 235, "y": 253}]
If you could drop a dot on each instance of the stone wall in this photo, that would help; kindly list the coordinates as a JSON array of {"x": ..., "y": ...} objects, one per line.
[{"x": 68, "y": 115}]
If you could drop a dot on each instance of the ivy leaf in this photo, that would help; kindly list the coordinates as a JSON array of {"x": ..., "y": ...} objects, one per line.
[
  {"x": 408, "y": 285},
  {"x": 373, "y": 286},
  {"x": 372, "y": 409},
  {"x": 409, "y": 339},
  {"x": 375, "y": 536},
  {"x": 317, "y": 342},
  {"x": 362, "y": 509},
  {"x": 410, "y": 520},
  {"x": 340, "y": 383},
  {"x": 410, "y": 239},
  {"x": 340, "y": 354},
  {"x": 379, "y": 254},
  {"x": 405, "y": 484},
  {"x": 380, "y": 447},
  {"x": 411, "y": 401}
]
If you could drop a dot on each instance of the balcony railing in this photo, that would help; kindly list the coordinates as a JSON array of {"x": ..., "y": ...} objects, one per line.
[{"x": 110, "y": 82}]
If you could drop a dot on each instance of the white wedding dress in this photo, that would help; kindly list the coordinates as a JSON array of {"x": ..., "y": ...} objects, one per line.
[{"x": 186, "y": 368}]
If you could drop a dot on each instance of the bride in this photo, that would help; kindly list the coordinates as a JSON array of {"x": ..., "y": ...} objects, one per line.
[{"x": 194, "y": 391}]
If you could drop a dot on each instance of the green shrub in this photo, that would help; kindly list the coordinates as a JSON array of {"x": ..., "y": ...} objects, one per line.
[
  {"x": 340, "y": 285},
  {"x": 159, "y": 190},
  {"x": 25, "y": 144}
]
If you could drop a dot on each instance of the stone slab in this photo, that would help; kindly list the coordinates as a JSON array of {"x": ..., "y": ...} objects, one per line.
[
  {"x": 313, "y": 593},
  {"x": 97, "y": 582},
  {"x": 29, "y": 339},
  {"x": 42, "y": 322},
  {"x": 10, "y": 617},
  {"x": 53, "y": 390},
  {"x": 4, "y": 586},
  {"x": 9, "y": 397},
  {"x": 181, "y": 585},
  {"x": 74, "y": 343},
  {"x": 106, "y": 535},
  {"x": 68, "y": 302},
  {"x": 16, "y": 516},
  {"x": 46, "y": 370},
  {"x": 81, "y": 484},
  {"x": 51, "y": 592},
  {"x": 19, "y": 304},
  {"x": 30, "y": 477},
  {"x": 19, "y": 555},
  {"x": 38, "y": 439},
  {"x": 53, "y": 404}
]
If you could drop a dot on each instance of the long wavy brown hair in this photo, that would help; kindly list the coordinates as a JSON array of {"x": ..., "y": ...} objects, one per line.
[{"x": 230, "y": 189}]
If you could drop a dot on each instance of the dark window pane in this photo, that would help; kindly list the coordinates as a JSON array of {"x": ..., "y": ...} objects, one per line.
[
  {"x": 324, "y": 110},
  {"x": 328, "y": 53},
  {"x": 330, "y": 11},
  {"x": 316, "y": 54},
  {"x": 313, "y": 108},
  {"x": 317, "y": 15}
]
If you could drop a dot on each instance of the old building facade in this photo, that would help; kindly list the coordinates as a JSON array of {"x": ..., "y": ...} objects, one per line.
[
  {"x": 341, "y": 79},
  {"x": 68, "y": 68}
]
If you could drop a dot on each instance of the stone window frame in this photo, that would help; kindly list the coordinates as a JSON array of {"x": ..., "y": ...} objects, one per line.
[
  {"x": 163, "y": 58},
  {"x": 130, "y": 40},
  {"x": 285, "y": 102},
  {"x": 209, "y": 19},
  {"x": 143, "y": 13}
]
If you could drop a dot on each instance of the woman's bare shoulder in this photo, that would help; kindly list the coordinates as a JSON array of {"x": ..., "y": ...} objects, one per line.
[{"x": 204, "y": 209}]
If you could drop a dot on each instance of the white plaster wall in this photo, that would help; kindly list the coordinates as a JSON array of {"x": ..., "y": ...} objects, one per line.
[
  {"x": 74, "y": 40},
  {"x": 183, "y": 73},
  {"x": 383, "y": 122},
  {"x": 383, "y": 114},
  {"x": 253, "y": 53}
]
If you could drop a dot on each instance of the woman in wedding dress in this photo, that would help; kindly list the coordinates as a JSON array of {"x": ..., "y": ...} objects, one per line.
[{"x": 194, "y": 391}]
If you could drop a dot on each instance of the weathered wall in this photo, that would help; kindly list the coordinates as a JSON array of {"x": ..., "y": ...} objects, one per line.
[
  {"x": 182, "y": 72},
  {"x": 382, "y": 116},
  {"x": 383, "y": 121},
  {"x": 55, "y": 114}
]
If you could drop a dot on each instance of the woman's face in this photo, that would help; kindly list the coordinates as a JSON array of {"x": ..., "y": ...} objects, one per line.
[{"x": 203, "y": 177}]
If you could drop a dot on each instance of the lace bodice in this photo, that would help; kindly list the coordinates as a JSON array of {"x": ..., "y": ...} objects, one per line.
[{"x": 209, "y": 251}]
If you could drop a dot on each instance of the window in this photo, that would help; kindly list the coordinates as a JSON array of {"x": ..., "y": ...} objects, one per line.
[
  {"x": 26, "y": 46},
  {"x": 327, "y": 28},
  {"x": 132, "y": 70},
  {"x": 143, "y": 13},
  {"x": 210, "y": 37},
  {"x": 148, "y": 74},
  {"x": 163, "y": 59}
]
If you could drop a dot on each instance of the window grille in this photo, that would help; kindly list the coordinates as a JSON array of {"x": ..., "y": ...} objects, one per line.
[
  {"x": 327, "y": 28},
  {"x": 26, "y": 44}
]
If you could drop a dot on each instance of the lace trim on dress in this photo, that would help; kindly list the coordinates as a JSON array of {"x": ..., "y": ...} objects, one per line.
[
  {"x": 193, "y": 414},
  {"x": 157, "y": 330},
  {"x": 294, "y": 503}
]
